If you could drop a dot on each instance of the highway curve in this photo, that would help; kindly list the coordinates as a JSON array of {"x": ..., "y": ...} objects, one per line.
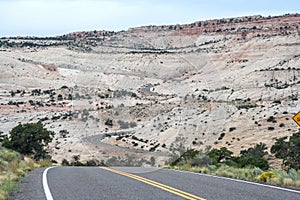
[{"x": 94, "y": 183}]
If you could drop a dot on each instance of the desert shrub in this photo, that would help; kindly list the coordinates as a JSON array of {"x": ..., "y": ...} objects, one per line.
[
  {"x": 246, "y": 106},
  {"x": 76, "y": 161},
  {"x": 59, "y": 97},
  {"x": 109, "y": 122},
  {"x": 65, "y": 162},
  {"x": 281, "y": 125},
  {"x": 239, "y": 173},
  {"x": 266, "y": 176},
  {"x": 212, "y": 167},
  {"x": 293, "y": 174},
  {"x": 9, "y": 155},
  {"x": 288, "y": 178},
  {"x": 151, "y": 161},
  {"x": 200, "y": 160},
  {"x": 221, "y": 136},
  {"x": 123, "y": 125},
  {"x": 63, "y": 133},
  {"x": 133, "y": 124},
  {"x": 128, "y": 160},
  {"x": 271, "y": 119},
  {"x": 92, "y": 163},
  {"x": 55, "y": 117},
  {"x": 232, "y": 129},
  {"x": 28, "y": 164},
  {"x": 44, "y": 163}
]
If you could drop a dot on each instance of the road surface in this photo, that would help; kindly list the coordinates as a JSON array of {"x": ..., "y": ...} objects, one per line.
[{"x": 91, "y": 183}]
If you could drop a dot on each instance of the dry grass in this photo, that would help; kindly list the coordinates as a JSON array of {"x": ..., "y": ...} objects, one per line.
[
  {"x": 279, "y": 177},
  {"x": 288, "y": 182},
  {"x": 297, "y": 183},
  {"x": 12, "y": 168},
  {"x": 44, "y": 163}
]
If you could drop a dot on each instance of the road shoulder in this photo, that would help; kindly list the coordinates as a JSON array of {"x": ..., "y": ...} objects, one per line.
[{"x": 30, "y": 186}]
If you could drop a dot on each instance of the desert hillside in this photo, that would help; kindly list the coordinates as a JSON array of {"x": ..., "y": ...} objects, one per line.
[{"x": 151, "y": 90}]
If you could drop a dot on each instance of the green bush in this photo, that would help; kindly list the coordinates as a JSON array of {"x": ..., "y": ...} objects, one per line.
[
  {"x": 212, "y": 167},
  {"x": 293, "y": 174},
  {"x": 252, "y": 157}
]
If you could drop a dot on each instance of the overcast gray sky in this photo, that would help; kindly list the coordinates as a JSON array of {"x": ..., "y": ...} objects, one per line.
[{"x": 56, "y": 17}]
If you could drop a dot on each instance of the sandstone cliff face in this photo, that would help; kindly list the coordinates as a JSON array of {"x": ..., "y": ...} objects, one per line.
[{"x": 227, "y": 82}]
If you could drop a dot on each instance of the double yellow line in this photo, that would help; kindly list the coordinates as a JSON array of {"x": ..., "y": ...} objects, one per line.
[{"x": 156, "y": 184}]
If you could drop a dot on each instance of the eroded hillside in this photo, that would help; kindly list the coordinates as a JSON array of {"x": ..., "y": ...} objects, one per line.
[{"x": 149, "y": 90}]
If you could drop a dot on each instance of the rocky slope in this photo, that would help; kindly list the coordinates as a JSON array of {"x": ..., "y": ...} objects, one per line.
[{"x": 227, "y": 82}]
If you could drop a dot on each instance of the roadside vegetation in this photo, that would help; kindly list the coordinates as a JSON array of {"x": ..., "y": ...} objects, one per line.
[
  {"x": 21, "y": 151},
  {"x": 12, "y": 166},
  {"x": 25, "y": 147},
  {"x": 251, "y": 165},
  {"x": 76, "y": 162}
]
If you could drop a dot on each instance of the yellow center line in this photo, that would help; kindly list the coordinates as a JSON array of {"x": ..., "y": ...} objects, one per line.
[{"x": 156, "y": 184}]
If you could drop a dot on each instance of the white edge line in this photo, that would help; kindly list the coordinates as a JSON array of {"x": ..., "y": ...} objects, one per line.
[
  {"x": 238, "y": 180},
  {"x": 45, "y": 185}
]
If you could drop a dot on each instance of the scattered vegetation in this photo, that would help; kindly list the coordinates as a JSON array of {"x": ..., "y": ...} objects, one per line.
[
  {"x": 232, "y": 129},
  {"x": 24, "y": 140},
  {"x": 250, "y": 165},
  {"x": 129, "y": 160},
  {"x": 76, "y": 162},
  {"x": 246, "y": 106},
  {"x": 125, "y": 125},
  {"x": 109, "y": 122}
]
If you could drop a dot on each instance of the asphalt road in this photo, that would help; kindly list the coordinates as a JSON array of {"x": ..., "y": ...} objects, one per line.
[{"x": 80, "y": 183}]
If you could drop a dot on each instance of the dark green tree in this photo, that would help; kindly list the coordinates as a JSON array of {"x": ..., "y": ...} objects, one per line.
[
  {"x": 288, "y": 150},
  {"x": 280, "y": 148},
  {"x": 184, "y": 157},
  {"x": 29, "y": 139},
  {"x": 217, "y": 155},
  {"x": 250, "y": 161},
  {"x": 252, "y": 157},
  {"x": 258, "y": 151}
]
